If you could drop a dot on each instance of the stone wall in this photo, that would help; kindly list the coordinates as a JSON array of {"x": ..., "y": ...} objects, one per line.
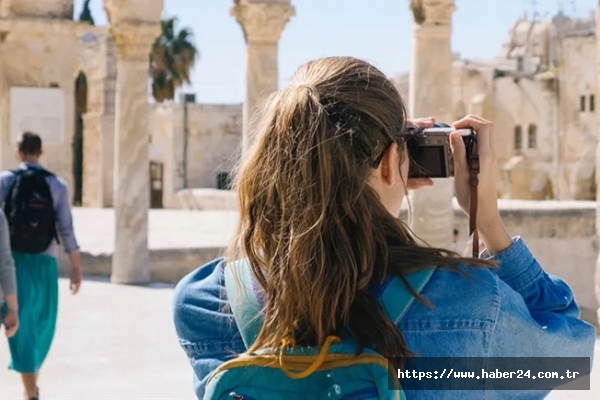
[
  {"x": 510, "y": 102},
  {"x": 45, "y": 9},
  {"x": 96, "y": 58},
  {"x": 525, "y": 165},
  {"x": 543, "y": 73},
  {"x": 40, "y": 54},
  {"x": 214, "y": 141},
  {"x": 578, "y": 128}
]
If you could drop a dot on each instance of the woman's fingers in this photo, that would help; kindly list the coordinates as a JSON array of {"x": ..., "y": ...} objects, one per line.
[{"x": 483, "y": 129}]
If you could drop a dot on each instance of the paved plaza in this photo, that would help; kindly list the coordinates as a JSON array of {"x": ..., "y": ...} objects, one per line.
[
  {"x": 112, "y": 342},
  {"x": 118, "y": 342}
]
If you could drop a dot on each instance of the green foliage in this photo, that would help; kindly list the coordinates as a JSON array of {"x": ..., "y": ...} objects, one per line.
[
  {"x": 86, "y": 13},
  {"x": 171, "y": 60}
]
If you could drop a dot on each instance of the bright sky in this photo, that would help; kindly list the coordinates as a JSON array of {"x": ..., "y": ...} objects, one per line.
[{"x": 375, "y": 30}]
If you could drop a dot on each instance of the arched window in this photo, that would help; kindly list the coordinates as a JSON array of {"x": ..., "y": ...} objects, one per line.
[
  {"x": 518, "y": 138},
  {"x": 532, "y": 136}
]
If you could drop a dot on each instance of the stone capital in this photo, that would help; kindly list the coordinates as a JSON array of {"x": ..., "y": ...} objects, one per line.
[
  {"x": 4, "y": 9},
  {"x": 432, "y": 12},
  {"x": 262, "y": 23},
  {"x": 134, "y": 39}
]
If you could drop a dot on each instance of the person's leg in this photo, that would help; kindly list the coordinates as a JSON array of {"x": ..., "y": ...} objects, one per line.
[
  {"x": 22, "y": 344},
  {"x": 30, "y": 384},
  {"x": 37, "y": 288}
]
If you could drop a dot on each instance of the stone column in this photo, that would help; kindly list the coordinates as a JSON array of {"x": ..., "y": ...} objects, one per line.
[
  {"x": 431, "y": 95},
  {"x": 262, "y": 23},
  {"x": 98, "y": 159},
  {"x": 131, "y": 202},
  {"x": 597, "y": 280}
]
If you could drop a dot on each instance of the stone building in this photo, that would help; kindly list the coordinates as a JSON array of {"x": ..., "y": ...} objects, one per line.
[
  {"x": 214, "y": 133},
  {"x": 40, "y": 78},
  {"x": 35, "y": 88},
  {"x": 540, "y": 93},
  {"x": 192, "y": 149}
]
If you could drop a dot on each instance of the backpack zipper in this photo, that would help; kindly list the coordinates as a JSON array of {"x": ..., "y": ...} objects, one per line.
[{"x": 236, "y": 396}]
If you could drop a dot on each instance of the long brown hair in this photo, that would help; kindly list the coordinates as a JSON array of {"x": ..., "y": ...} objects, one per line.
[{"x": 312, "y": 229}]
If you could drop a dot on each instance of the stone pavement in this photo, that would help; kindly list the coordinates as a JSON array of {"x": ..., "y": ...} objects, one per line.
[
  {"x": 112, "y": 342},
  {"x": 118, "y": 342}
]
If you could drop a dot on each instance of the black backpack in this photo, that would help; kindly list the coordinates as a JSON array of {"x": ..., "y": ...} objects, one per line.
[{"x": 29, "y": 209}]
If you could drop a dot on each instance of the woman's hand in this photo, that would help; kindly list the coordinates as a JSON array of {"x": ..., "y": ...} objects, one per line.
[
  {"x": 414, "y": 184},
  {"x": 11, "y": 323},
  {"x": 489, "y": 223}
]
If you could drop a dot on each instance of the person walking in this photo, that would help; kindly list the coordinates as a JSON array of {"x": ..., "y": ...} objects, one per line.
[
  {"x": 36, "y": 204},
  {"x": 9, "y": 309}
]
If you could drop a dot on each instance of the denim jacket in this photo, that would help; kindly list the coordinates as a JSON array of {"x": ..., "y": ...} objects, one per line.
[{"x": 515, "y": 310}]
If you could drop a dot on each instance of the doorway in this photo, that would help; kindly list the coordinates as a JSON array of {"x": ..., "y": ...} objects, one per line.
[{"x": 77, "y": 145}]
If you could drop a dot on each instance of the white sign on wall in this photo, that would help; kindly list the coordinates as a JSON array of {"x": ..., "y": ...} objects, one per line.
[{"x": 39, "y": 110}]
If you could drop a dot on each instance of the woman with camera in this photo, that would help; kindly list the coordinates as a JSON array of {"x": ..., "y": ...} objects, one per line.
[{"x": 319, "y": 199}]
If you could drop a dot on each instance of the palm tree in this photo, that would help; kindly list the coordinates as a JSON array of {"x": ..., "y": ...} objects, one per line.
[{"x": 171, "y": 60}]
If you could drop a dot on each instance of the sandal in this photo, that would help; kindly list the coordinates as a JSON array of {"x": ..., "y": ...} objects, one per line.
[{"x": 37, "y": 394}]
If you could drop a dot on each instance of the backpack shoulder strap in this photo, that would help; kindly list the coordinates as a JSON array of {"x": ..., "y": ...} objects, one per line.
[
  {"x": 395, "y": 298},
  {"x": 16, "y": 173},
  {"x": 242, "y": 299},
  {"x": 45, "y": 172}
]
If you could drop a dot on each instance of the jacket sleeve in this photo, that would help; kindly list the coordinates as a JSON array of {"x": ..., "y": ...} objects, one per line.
[
  {"x": 7, "y": 266},
  {"x": 64, "y": 218},
  {"x": 537, "y": 315},
  {"x": 204, "y": 325}
]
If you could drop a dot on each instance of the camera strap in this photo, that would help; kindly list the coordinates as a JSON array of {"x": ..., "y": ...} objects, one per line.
[{"x": 473, "y": 162}]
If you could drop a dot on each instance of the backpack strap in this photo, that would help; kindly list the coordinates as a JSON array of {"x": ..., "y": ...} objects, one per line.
[
  {"x": 242, "y": 299},
  {"x": 395, "y": 298}
]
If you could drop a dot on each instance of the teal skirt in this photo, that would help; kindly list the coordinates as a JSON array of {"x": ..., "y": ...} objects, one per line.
[{"x": 37, "y": 295}]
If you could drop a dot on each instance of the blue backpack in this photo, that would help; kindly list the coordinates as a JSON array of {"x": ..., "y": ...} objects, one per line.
[{"x": 332, "y": 372}]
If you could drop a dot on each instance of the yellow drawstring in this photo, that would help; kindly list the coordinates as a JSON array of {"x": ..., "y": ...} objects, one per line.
[{"x": 315, "y": 365}]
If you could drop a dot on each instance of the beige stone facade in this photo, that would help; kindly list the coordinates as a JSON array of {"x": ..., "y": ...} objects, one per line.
[
  {"x": 96, "y": 58},
  {"x": 46, "y": 48},
  {"x": 532, "y": 91},
  {"x": 541, "y": 94},
  {"x": 214, "y": 146},
  {"x": 42, "y": 52},
  {"x": 540, "y": 91}
]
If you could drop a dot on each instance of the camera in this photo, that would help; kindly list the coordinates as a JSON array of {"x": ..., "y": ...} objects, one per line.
[{"x": 429, "y": 150}]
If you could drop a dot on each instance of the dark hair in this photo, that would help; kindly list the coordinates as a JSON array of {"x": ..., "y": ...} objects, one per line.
[
  {"x": 455, "y": 231},
  {"x": 29, "y": 143},
  {"x": 313, "y": 230}
]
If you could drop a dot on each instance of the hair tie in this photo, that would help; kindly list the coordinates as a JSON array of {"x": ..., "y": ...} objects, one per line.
[{"x": 311, "y": 88}]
